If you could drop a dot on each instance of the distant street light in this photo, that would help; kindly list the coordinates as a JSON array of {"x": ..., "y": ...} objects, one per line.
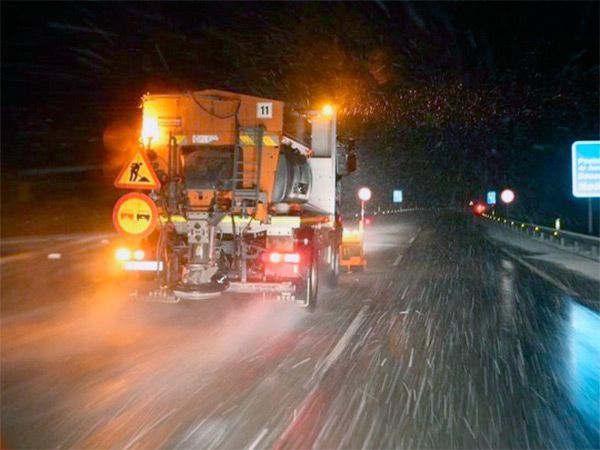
[{"x": 364, "y": 194}]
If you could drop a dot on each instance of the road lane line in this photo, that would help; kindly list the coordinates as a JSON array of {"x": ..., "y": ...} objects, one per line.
[
  {"x": 300, "y": 413},
  {"x": 542, "y": 274},
  {"x": 343, "y": 342},
  {"x": 338, "y": 349},
  {"x": 65, "y": 247},
  {"x": 410, "y": 241}
]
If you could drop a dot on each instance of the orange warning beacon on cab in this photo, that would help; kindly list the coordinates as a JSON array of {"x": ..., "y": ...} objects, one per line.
[{"x": 135, "y": 215}]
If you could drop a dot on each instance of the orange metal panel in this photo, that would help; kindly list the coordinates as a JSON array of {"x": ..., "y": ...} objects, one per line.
[
  {"x": 208, "y": 117},
  {"x": 210, "y": 113}
]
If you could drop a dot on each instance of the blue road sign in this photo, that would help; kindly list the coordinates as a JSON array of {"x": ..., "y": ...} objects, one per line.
[
  {"x": 490, "y": 197},
  {"x": 397, "y": 196},
  {"x": 586, "y": 168}
]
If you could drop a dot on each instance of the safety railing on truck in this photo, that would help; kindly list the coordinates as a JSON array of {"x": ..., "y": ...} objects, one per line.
[{"x": 581, "y": 244}]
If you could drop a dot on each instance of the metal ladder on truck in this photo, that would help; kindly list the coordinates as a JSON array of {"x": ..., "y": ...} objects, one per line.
[{"x": 247, "y": 196}]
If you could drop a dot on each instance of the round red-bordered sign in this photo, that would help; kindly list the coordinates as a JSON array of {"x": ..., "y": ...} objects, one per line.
[{"x": 135, "y": 215}]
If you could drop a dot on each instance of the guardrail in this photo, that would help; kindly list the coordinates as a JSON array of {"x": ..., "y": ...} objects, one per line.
[
  {"x": 581, "y": 244},
  {"x": 383, "y": 212}
]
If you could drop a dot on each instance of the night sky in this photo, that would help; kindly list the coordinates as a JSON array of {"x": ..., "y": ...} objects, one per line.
[{"x": 446, "y": 99}]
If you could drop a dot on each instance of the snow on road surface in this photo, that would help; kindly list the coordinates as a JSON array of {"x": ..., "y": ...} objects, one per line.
[{"x": 445, "y": 341}]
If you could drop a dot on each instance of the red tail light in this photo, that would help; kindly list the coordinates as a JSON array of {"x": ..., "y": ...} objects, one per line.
[
  {"x": 479, "y": 209},
  {"x": 276, "y": 257}
]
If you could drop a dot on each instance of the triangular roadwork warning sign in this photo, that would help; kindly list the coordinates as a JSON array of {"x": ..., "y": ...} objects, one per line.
[{"x": 138, "y": 174}]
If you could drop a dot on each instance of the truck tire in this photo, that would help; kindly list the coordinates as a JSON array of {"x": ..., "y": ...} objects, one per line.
[
  {"x": 334, "y": 267},
  {"x": 310, "y": 285}
]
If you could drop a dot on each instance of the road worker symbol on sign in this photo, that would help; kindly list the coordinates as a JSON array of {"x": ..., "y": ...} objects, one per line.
[
  {"x": 135, "y": 215},
  {"x": 138, "y": 174}
]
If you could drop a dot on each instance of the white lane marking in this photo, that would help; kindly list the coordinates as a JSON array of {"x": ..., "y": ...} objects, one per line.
[
  {"x": 321, "y": 369},
  {"x": 88, "y": 243},
  {"x": 410, "y": 241},
  {"x": 258, "y": 439},
  {"x": 54, "y": 256},
  {"x": 542, "y": 274},
  {"x": 341, "y": 345}
]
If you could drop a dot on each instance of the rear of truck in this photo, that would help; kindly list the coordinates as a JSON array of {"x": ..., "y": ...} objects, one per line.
[{"x": 242, "y": 206}]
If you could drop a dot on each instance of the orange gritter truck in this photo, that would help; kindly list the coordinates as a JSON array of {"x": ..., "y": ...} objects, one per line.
[{"x": 244, "y": 203}]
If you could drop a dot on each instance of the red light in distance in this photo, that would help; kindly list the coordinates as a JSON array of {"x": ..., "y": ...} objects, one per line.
[{"x": 479, "y": 208}]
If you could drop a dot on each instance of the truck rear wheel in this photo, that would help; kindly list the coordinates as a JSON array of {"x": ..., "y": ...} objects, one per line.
[{"x": 334, "y": 269}]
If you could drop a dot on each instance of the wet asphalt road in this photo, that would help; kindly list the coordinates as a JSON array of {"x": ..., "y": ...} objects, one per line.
[{"x": 444, "y": 342}]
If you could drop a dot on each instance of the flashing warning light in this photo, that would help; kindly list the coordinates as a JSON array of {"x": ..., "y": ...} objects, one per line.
[
  {"x": 123, "y": 254},
  {"x": 364, "y": 194},
  {"x": 150, "y": 129},
  {"x": 507, "y": 196},
  {"x": 328, "y": 110}
]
